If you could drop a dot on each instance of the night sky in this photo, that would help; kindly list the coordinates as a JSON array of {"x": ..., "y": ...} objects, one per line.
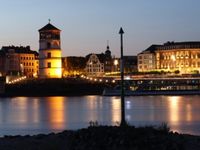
[{"x": 87, "y": 24}]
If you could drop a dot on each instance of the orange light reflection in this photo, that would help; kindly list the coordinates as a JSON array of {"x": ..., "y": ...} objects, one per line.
[
  {"x": 188, "y": 113},
  {"x": 174, "y": 108},
  {"x": 56, "y": 112},
  {"x": 21, "y": 106},
  {"x": 116, "y": 113}
]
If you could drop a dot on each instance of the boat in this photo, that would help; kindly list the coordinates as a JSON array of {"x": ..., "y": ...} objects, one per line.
[{"x": 117, "y": 92}]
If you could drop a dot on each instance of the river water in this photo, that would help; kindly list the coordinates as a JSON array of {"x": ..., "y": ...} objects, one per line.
[{"x": 33, "y": 115}]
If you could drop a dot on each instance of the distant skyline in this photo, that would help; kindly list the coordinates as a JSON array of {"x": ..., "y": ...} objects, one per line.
[{"x": 87, "y": 25}]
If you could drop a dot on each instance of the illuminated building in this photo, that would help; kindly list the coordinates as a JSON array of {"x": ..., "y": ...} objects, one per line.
[
  {"x": 146, "y": 59},
  {"x": 183, "y": 57},
  {"x": 50, "y": 63},
  {"x": 98, "y": 64},
  {"x": 94, "y": 67},
  {"x": 20, "y": 60},
  {"x": 107, "y": 60}
]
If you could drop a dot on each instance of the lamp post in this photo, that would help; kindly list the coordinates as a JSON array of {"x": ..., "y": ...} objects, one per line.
[{"x": 123, "y": 121}]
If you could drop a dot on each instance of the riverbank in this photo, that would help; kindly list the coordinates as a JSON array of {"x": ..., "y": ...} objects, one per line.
[
  {"x": 55, "y": 87},
  {"x": 105, "y": 138},
  {"x": 79, "y": 87}
]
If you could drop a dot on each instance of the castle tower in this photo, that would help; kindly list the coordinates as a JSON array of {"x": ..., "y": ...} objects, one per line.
[{"x": 50, "y": 63}]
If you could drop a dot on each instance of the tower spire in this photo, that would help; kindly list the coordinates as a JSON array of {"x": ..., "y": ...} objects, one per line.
[
  {"x": 49, "y": 20},
  {"x": 108, "y": 45}
]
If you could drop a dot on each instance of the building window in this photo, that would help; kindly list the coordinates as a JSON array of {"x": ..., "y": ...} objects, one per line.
[
  {"x": 49, "y": 55},
  {"x": 49, "y": 65},
  {"x": 48, "y": 45}
]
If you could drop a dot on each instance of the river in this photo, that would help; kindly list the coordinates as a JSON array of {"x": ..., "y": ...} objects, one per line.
[{"x": 34, "y": 115}]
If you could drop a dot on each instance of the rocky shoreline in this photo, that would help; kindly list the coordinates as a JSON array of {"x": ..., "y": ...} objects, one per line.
[{"x": 104, "y": 138}]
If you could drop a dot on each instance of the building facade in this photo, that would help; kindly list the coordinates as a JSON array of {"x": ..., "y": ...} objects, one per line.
[
  {"x": 107, "y": 60},
  {"x": 130, "y": 64},
  {"x": 50, "y": 61},
  {"x": 73, "y": 66},
  {"x": 146, "y": 59},
  {"x": 20, "y": 60},
  {"x": 94, "y": 67},
  {"x": 182, "y": 57},
  {"x": 98, "y": 64}
]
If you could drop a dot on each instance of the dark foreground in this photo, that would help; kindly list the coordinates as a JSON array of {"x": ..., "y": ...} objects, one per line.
[{"x": 104, "y": 138}]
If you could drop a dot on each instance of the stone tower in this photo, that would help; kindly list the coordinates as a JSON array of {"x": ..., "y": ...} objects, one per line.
[{"x": 50, "y": 63}]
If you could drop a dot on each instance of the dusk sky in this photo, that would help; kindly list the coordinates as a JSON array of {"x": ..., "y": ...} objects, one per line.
[{"x": 87, "y": 24}]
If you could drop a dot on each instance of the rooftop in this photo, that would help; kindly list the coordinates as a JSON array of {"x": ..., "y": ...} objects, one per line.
[
  {"x": 48, "y": 27},
  {"x": 18, "y": 49}
]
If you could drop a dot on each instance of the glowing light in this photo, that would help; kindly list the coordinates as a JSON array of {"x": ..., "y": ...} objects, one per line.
[
  {"x": 173, "y": 58},
  {"x": 127, "y": 78},
  {"x": 56, "y": 112},
  {"x": 116, "y": 62},
  {"x": 116, "y": 113},
  {"x": 174, "y": 108},
  {"x": 189, "y": 113}
]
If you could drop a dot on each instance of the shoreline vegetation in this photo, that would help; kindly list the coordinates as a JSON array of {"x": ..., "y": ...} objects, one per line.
[{"x": 105, "y": 138}]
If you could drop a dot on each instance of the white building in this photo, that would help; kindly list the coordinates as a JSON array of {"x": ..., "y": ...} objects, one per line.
[
  {"x": 94, "y": 67},
  {"x": 50, "y": 62},
  {"x": 146, "y": 60}
]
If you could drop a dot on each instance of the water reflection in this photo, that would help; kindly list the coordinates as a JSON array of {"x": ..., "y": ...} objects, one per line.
[
  {"x": 22, "y": 115},
  {"x": 56, "y": 112},
  {"x": 115, "y": 110},
  {"x": 173, "y": 108},
  {"x": 35, "y": 112},
  {"x": 92, "y": 106},
  {"x": 189, "y": 112},
  {"x": 180, "y": 109},
  {"x": 21, "y": 105}
]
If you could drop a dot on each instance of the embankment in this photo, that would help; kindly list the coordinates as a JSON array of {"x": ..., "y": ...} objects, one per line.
[
  {"x": 55, "y": 87},
  {"x": 104, "y": 138}
]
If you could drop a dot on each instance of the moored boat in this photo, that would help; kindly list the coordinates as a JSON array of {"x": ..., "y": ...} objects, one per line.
[{"x": 117, "y": 92}]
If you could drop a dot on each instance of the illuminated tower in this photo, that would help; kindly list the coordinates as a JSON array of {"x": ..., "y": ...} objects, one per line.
[{"x": 50, "y": 52}]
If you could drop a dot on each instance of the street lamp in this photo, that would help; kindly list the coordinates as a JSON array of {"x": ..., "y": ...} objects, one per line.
[{"x": 123, "y": 121}]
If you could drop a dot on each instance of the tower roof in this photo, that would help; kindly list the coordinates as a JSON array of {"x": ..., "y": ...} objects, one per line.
[{"x": 49, "y": 26}]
